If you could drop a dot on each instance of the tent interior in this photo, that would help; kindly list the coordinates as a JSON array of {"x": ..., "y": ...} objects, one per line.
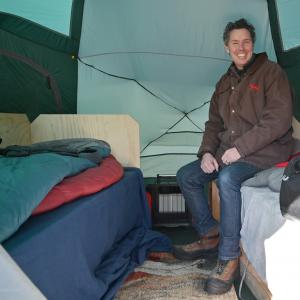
[{"x": 157, "y": 61}]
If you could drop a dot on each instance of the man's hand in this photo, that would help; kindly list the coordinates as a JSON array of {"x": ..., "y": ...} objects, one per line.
[
  {"x": 209, "y": 163},
  {"x": 231, "y": 155}
]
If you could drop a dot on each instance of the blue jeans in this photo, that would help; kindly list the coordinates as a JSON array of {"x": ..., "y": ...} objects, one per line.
[{"x": 192, "y": 179}]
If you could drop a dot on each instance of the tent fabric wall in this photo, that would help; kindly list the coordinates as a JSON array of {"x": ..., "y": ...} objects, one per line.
[
  {"x": 22, "y": 79},
  {"x": 57, "y": 17},
  {"x": 287, "y": 13},
  {"x": 159, "y": 61},
  {"x": 24, "y": 90},
  {"x": 290, "y": 59},
  {"x": 28, "y": 89}
]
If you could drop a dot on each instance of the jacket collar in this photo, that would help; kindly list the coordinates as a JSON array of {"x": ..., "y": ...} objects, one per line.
[{"x": 253, "y": 65}]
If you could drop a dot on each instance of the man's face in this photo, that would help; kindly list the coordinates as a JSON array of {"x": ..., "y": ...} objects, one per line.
[{"x": 240, "y": 47}]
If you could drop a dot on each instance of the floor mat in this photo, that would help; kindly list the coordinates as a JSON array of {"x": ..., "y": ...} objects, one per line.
[{"x": 164, "y": 277}]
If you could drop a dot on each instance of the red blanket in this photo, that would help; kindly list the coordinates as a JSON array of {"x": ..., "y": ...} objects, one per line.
[{"x": 88, "y": 182}]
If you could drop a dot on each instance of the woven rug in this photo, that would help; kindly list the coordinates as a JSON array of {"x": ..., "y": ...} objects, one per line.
[{"x": 165, "y": 277}]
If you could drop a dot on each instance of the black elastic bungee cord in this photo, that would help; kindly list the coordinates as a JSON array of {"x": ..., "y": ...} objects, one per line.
[
  {"x": 130, "y": 79},
  {"x": 185, "y": 114}
]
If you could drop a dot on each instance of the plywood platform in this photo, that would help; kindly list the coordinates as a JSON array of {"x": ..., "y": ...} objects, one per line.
[
  {"x": 120, "y": 131},
  {"x": 14, "y": 129}
]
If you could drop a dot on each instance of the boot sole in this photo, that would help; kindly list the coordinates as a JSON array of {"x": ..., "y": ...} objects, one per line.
[
  {"x": 218, "y": 287},
  {"x": 212, "y": 253}
]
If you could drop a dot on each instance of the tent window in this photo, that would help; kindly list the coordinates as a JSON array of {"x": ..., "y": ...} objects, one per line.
[
  {"x": 289, "y": 24},
  {"x": 54, "y": 14}
]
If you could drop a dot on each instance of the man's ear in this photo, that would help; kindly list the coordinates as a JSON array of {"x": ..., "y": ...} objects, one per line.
[{"x": 226, "y": 49}]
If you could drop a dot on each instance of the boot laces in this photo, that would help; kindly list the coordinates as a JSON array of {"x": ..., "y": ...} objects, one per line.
[{"x": 221, "y": 266}]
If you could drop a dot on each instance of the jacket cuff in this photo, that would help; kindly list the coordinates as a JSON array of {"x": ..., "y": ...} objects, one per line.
[
  {"x": 239, "y": 149},
  {"x": 202, "y": 152}
]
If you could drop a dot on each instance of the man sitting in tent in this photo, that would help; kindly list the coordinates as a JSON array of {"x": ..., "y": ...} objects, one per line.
[{"x": 249, "y": 129}]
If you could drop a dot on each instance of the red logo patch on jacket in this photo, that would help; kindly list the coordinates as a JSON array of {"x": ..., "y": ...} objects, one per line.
[{"x": 254, "y": 87}]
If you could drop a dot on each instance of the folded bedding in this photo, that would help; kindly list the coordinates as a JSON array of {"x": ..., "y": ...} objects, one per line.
[
  {"x": 86, "y": 249},
  {"x": 93, "y": 149},
  {"x": 26, "y": 180},
  {"x": 85, "y": 183}
]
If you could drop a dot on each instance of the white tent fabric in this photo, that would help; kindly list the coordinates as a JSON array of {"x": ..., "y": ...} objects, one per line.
[{"x": 172, "y": 52}]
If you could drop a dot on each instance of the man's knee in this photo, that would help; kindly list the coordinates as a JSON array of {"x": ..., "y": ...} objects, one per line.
[
  {"x": 182, "y": 174},
  {"x": 188, "y": 173},
  {"x": 225, "y": 180}
]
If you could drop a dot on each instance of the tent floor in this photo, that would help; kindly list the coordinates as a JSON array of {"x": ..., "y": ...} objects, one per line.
[{"x": 186, "y": 234}]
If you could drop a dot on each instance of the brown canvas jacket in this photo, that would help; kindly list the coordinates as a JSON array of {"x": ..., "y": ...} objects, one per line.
[{"x": 253, "y": 113}]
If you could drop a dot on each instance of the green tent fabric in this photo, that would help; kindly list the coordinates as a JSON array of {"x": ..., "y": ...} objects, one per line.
[
  {"x": 157, "y": 61},
  {"x": 285, "y": 27},
  {"x": 38, "y": 66}
]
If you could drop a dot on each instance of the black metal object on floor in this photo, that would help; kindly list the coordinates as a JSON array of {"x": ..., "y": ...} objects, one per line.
[{"x": 168, "y": 205}]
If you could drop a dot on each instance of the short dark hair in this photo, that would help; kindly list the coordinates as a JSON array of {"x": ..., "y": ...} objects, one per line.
[{"x": 239, "y": 24}]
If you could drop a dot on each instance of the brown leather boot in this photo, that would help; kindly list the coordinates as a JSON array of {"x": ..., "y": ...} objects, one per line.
[
  {"x": 221, "y": 279},
  {"x": 206, "y": 247}
]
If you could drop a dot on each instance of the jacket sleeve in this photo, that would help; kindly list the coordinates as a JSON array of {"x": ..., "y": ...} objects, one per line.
[
  {"x": 276, "y": 117},
  {"x": 213, "y": 127}
]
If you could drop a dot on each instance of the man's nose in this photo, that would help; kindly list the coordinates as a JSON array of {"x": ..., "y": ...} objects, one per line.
[{"x": 241, "y": 46}]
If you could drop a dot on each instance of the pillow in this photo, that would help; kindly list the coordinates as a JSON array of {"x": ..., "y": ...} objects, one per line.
[
  {"x": 25, "y": 181},
  {"x": 272, "y": 177},
  {"x": 267, "y": 178}
]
